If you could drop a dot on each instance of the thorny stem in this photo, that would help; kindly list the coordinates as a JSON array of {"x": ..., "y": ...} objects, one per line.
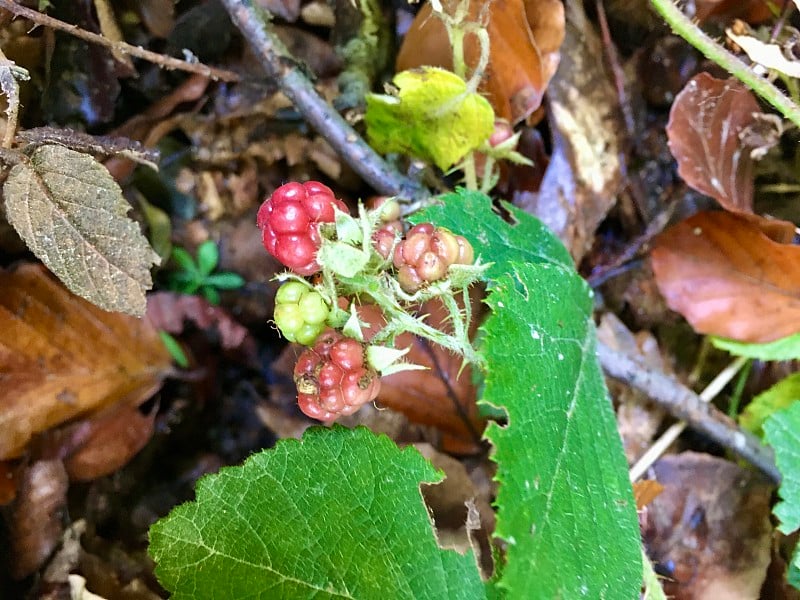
[
  {"x": 167, "y": 62},
  {"x": 289, "y": 76},
  {"x": 689, "y": 31},
  {"x": 402, "y": 322},
  {"x": 457, "y": 30}
]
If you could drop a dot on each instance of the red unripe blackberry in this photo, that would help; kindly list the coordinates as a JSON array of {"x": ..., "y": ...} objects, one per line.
[
  {"x": 426, "y": 253},
  {"x": 332, "y": 378},
  {"x": 290, "y": 219}
]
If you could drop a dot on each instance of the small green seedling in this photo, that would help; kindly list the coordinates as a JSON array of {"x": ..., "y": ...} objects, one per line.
[{"x": 198, "y": 277}]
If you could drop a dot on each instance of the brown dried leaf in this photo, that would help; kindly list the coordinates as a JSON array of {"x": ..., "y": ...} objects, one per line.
[
  {"x": 644, "y": 492},
  {"x": 752, "y": 11},
  {"x": 157, "y": 15},
  {"x": 168, "y": 311},
  {"x": 35, "y": 517},
  {"x": 112, "y": 439},
  {"x": 709, "y": 531},
  {"x": 584, "y": 175},
  {"x": 729, "y": 277},
  {"x": 703, "y": 130},
  {"x": 61, "y": 357},
  {"x": 72, "y": 215},
  {"x": 525, "y": 37}
]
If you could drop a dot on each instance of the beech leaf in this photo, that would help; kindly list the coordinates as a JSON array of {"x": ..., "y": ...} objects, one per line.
[
  {"x": 703, "y": 130},
  {"x": 63, "y": 358},
  {"x": 729, "y": 278},
  {"x": 71, "y": 214}
]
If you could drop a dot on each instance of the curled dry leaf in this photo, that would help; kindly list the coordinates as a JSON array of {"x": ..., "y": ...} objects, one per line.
[
  {"x": 61, "y": 357},
  {"x": 770, "y": 56},
  {"x": 112, "y": 439},
  {"x": 155, "y": 122},
  {"x": 524, "y": 36},
  {"x": 709, "y": 532},
  {"x": 35, "y": 517},
  {"x": 168, "y": 311},
  {"x": 729, "y": 277},
  {"x": 703, "y": 130},
  {"x": 72, "y": 215},
  {"x": 584, "y": 175}
]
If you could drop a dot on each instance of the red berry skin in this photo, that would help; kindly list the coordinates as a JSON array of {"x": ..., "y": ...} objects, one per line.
[
  {"x": 290, "y": 219},
  {"x": 298, "y": 252},
  {"x": 331, "y": 378},
  {"x": 348, "y": 354},
  {"x": 310, "y": 406}
]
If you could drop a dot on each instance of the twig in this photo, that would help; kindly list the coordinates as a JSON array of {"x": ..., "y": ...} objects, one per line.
[
  {"x": 167, "y": 62},
  {"x": 684, "y": 404},
  {"x": 320, "y": 115},
  {"x": 670, "y": 435},
  {"x": 685, "y": 28}
]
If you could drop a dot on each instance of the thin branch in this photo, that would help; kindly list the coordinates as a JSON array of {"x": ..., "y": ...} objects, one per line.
[
  {"x": 684, "y": 27},
  {"x": 289, "y": 76},
  {"x": 167, "y": 62},
  {"x": 683, "y": 403},
  {"x": 673, "y": 433}
]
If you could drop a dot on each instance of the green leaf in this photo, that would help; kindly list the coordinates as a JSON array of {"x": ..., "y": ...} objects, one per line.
[
  {"x": 342, "y": 258},
  {"x": 159, "y": 227},
  {"x": 793, "y": 575},
  {"x": 787, "y": 348},
  {"x": 225, "y": 281},
  {"x": 778, "y": 397},
  {"x": 525, "y": 239},
  {"x": 207, "y": 257},
  {"x": 185, "y": 262},
  {"x": 72, "y": 215},
  {"x": 432, "y": 117},
  {"x": 336, "y": 515},
  {"x": 210, "y": 294},
  {"x": 565, "y": 505},
  {"x": 174, "y": 349},
  {"x": 782, "y": 432}
]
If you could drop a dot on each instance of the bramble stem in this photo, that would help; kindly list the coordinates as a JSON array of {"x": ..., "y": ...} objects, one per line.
[{"x": 684, "y": 27}]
